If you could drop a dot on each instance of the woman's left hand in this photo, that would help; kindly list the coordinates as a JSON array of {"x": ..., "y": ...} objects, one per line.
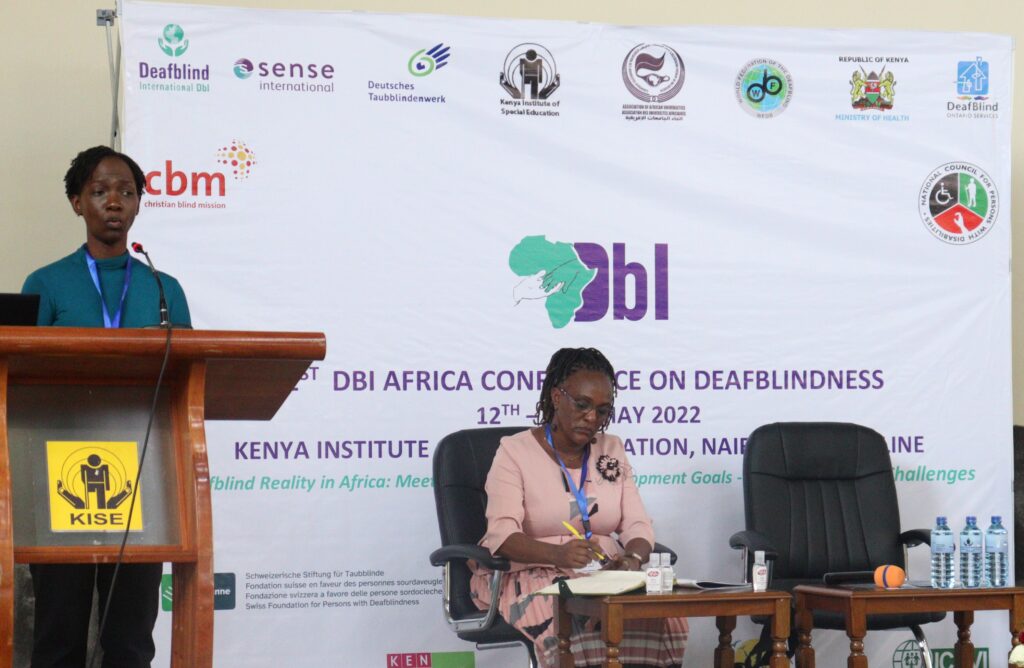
[{"x": 623, "y": 562}]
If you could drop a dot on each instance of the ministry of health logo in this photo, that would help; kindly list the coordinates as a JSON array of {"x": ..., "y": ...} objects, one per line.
[
  {"x": 958, "y": 203},
  {"x": 871, "y": 90},
  {"x": 653, "y": 72},
  {"x": 173, "y": 41},
  {"x": 424, "y": 62},
  {"x": 764, "y": 87}
]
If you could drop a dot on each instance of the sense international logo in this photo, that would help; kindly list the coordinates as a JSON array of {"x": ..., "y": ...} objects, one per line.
[
  {"x": 958, "y": 203},
  {"x": 243, "y": 68},
  {"x": 578, "y": 281},
  {"x": 424, "y": 62},
  {"x": 764, "y": 87},
  {"x": 172, "y": 41},
  {"x": 90, "y": 484}
]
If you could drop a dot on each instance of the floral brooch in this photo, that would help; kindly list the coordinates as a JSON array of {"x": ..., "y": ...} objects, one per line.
[{"x": 609, "y": 468}]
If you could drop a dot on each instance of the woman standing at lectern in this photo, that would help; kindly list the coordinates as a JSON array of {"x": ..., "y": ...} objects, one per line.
[{"x": 99, "y": 285}]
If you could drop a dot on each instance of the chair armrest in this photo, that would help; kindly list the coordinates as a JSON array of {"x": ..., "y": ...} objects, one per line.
[
  {"x": 479, "y": 554},
  {"x": 658, "y": 547},
  {"x": 916, "y": 537},
  {"x": 753, "y": 541}
]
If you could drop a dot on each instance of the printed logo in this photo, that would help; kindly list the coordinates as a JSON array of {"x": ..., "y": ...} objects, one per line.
[
  {"x": 173, "y": 41},
  {"x": 529, "y": 76},
  {"x": 764, "y": 87},
  {"x": 972, "y": 89},
  {"x": 872, "y": 91},
  {"x": 653, "y": 73},
  {"x": 972, "y": 79},
  {"x": 958, "y": 203},
  {"x": 91, "y": 484},
  {"x": 173, "y": 77},
  {"x": 423, "y": 62},
  {"x": 223, "y": 591},
  {"x": 238, "y": 157},
  {"x": 576, "y": 281},
  {"x": 431, "y": 660},
  {"x": 243, "y": 68},
  {"x": 908, "y": 655}
]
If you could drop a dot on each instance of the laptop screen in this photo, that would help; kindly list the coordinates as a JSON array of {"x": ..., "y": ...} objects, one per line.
[{"x": 18, "y": 309}]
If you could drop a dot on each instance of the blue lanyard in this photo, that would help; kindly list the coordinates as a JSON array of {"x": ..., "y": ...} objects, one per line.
[
  {"x": 109, "y": 322},
  {"x": 577, "y": 491}
]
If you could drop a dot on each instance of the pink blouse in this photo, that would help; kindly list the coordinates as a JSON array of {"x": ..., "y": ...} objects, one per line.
[{"x": 526, "y": 493}]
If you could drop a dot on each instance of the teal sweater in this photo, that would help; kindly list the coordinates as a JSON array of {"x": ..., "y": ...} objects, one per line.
[{"x": 68, "y": 297}]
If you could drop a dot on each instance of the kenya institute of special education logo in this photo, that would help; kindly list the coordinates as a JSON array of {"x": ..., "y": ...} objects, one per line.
[
  {"x": 654, "y": 74},
  {"x": 530, "y": 77},
  {"x": 578, "y": 281},
  {"x": 172, "y": 41},
  {"x": 958, "y": 203},
  {"x": 424, "y": 62},
  {"x": 764, "y": 87},
  {"x": 90, "y": 485}
]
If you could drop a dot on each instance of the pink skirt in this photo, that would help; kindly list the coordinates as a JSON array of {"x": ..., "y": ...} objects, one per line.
[{"x": 647, "y": 642}]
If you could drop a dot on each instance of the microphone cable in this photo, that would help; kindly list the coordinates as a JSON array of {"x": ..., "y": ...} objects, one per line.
[{"x": 135, "y": 492}]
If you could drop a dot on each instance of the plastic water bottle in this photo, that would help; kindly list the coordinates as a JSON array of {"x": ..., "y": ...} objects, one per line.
[
  {"x": 995, "y": 553},
  {"x": 970, "y": 554},
  {"x": 942, "y": 555}
]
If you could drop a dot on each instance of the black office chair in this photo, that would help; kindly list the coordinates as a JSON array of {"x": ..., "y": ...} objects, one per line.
[
  {"x": 820, "y": 499},
  {"x": 461, "y": 463}
]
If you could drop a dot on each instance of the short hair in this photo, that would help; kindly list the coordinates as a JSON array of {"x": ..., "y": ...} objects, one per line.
[
  {"x": 564, "y": 363},
  {"x": 86, "y": 162}
]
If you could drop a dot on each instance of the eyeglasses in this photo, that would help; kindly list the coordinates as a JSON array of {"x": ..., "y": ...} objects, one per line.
[{"x": 583, "y": 406}]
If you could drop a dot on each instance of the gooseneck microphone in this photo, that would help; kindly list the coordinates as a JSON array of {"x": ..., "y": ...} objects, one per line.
[{"x": 165, "y": 321}]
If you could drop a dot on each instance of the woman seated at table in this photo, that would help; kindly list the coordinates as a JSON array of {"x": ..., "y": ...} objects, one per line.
[{"x": 568, "y": 470}]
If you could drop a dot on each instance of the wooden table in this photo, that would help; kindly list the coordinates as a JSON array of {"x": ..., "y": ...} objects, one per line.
[
  {"x": 725, "y": 606},
  {"x": 856, "y": 603}
]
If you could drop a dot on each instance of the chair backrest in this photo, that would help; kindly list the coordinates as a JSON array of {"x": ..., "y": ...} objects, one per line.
[
  {"x": 461, "y": 463},
  {"x": 824, "y": 495}
]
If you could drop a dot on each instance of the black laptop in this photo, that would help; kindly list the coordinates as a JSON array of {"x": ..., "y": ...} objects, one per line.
[{"x": 18, "y": 309}]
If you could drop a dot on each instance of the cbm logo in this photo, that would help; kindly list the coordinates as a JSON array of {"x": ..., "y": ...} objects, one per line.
[{"x": 581, "y": 281}]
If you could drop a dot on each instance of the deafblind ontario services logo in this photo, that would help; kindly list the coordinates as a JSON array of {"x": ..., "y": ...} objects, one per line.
[
  {"x": 972, "y": 89},
  {"x": 653, "y": 73},
  {"x": 764, "y": 87},
  {"x": 958, "y": 203},
  {"x": 90, "y": 485}
]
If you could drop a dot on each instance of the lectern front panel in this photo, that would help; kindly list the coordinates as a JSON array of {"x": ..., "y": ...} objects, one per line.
[{"x": 74, "y": 452}]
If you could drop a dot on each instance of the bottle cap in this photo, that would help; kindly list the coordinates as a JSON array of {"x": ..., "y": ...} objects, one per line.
[
  {"x": 759, "y": 557},
  {"x": 655, "y": 560},
  {"x": 666, "y": 559},
  {"x": 997, "y": 519},
  {"x": 971, "y": 519},
  {"x": 941, "y": 519}
]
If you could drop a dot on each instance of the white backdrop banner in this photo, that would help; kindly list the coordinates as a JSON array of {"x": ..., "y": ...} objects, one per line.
[{"x": 754, "y": 225}]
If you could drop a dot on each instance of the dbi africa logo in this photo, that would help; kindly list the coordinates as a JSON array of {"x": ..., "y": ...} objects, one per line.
[
  {"x": 172, "y": 41},
  {"x": 576, "y": 281},
  {"x": 958, "y": 203},
  {"x": 90, "y": 485}
]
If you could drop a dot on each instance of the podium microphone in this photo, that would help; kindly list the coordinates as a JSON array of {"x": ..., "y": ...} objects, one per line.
[{"x": 165, "y": 321}]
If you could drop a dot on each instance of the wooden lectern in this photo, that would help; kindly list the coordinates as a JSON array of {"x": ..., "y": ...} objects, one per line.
[{"x": 96, "y": 385}]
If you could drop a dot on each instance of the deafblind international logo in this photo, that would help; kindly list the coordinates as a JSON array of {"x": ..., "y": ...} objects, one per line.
[
  {"x": 90, "y": 485},
  {"x": 958, "y": 203},
  {"x": 578, "y": 281},
  {"x": 764, "y": 88},
  {"x": 423, "y": 62},
  {"x": 653, "y": 73},
  {"x": 173, "y": 41},
  {"x": 530, "y": 77}
]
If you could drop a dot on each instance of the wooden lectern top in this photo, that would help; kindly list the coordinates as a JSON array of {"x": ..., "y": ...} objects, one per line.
[{"x": 248, "y": 374}]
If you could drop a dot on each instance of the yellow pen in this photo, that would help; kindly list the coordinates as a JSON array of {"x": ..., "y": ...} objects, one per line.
[{"x": 573, "y": 531}]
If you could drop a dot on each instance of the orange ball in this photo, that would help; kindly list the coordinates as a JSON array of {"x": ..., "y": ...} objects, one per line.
[{"x": 890, "y": 577}]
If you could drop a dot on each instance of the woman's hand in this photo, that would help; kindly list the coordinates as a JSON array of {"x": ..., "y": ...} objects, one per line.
[
  {"x": 576, "y": 553},
  {"x": 624, "y": 562}
]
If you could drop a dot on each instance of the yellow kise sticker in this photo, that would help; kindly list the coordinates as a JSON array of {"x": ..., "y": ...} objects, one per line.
[{"x": 91, "y": 485}]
